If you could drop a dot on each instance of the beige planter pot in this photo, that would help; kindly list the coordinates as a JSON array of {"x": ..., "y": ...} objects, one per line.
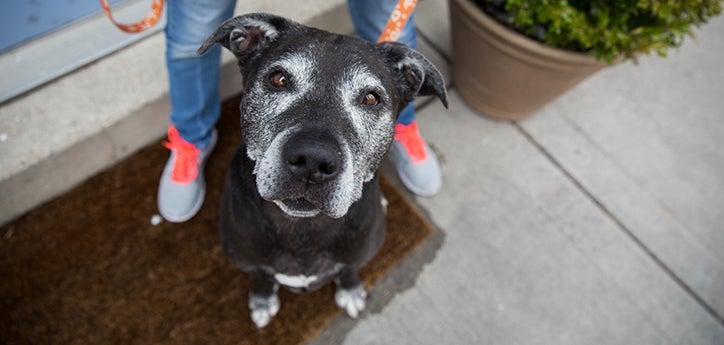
[{"x": 504, "y": 74}]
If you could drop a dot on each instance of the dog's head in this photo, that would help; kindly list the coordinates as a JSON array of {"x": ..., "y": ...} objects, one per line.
[{"x": 319, "y": 109}]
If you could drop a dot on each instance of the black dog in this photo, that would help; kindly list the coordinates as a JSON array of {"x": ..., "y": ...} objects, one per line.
[{"x": 302, "y": 205}]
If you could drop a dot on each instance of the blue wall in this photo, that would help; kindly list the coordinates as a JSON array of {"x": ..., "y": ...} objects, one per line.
[{"x": 23, "y": 20}]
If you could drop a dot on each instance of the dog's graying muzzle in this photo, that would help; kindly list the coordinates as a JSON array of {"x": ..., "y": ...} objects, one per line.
[{"x": 312, "y": 157}]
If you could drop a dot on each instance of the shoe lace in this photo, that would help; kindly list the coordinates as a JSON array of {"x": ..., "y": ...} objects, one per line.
[
  {"x": 185, "y": 167},
  {"x": 410, "y": 138}
]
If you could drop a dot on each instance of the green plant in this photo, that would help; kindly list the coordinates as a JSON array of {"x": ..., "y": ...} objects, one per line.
[{"x": 606, "y": 29}]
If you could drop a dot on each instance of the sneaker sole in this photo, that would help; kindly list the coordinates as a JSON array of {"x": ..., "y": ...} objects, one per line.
[
  {"x": 194, "y": 210},
  {"x": 413, "y": 188},
  {"x": 396, "y": 161}
]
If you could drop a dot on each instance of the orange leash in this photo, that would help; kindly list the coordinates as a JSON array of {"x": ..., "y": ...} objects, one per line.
[
  {"x": 398, "y": 19},
  {"x": 148, "y": 21}
]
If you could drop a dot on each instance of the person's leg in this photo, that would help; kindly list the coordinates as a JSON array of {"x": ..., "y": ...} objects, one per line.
[
  {"x": 415, "y": 162},
  {"x": 370, "y": 17},
  {"x": 195, "y": 105},
  {"x": 194, "y": 80}
]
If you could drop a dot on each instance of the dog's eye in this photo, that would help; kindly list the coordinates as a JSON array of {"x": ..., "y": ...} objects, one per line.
[
  {"x": 278, "y": 79},
  {"x": 371, "y": 99}
]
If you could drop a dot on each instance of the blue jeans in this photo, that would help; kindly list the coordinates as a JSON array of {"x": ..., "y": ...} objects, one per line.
[{"x": 194, "y": 80}]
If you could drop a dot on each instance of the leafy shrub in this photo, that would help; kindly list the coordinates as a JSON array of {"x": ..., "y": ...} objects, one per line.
[{"x": 607, "y": 29}]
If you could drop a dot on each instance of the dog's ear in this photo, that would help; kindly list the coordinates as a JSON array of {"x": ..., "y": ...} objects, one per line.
[
  {"x": 414, "y": 74},
  {"x": 247, "y": 34}
]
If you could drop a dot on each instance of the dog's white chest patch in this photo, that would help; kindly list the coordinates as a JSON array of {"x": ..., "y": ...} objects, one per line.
[{"x": 298, "y": 281}]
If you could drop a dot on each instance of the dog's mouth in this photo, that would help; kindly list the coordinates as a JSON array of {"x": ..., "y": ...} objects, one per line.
[{"x": 298, "y": 207}]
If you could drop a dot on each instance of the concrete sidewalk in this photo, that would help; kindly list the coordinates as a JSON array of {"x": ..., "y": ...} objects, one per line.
[{"x": 598, "y": 221}]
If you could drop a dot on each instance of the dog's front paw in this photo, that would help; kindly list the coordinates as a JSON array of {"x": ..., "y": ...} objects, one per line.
[
  {"x": 263, "y": 308},
  {"x": 351, "y": 300}
]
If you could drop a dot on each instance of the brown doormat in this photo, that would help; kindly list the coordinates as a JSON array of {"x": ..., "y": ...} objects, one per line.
[{"x": 89, "y": 267}]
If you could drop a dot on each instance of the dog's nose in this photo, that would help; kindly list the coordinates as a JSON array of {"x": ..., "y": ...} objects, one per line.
[{"x": 312, "y": 161}]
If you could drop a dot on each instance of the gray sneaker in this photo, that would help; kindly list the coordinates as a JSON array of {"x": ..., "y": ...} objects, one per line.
[
  {"x": 182, "y": 188},
  {"x": 415, "y": 162}
]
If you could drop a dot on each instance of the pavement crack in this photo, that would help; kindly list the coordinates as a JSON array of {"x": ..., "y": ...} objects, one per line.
[{"x": 624, "y": 229}]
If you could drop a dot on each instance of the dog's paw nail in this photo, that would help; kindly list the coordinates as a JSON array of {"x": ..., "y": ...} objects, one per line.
[
  {"x": 351, "y": 300},
  {"x": 263, "y": 308}
]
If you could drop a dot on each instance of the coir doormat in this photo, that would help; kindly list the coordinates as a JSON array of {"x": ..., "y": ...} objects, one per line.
[{"x": 90, "y": 268}]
